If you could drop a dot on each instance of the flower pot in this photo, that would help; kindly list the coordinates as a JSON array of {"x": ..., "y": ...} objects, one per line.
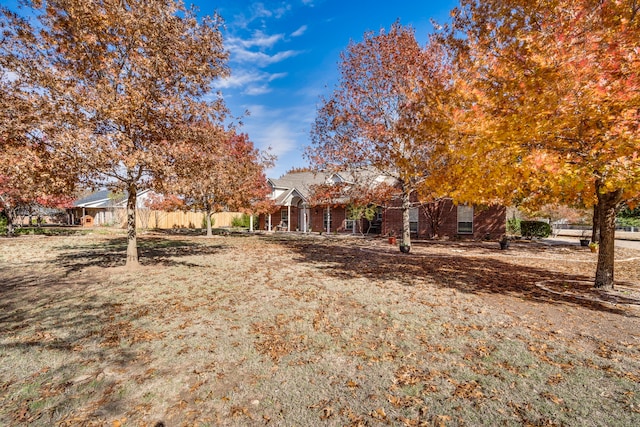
[
  {"x": 504, "y": 245},
  {"x": 405, "y": 249},
  {"x": 584, "y": 242},
  {"x": 392, "y": 240}
]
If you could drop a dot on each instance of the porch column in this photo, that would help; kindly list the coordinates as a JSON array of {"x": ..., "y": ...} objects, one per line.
[
  {"x": 269, "y": 225},
  {"x": 251, "y": 223},
  {"x": 83, "y": 219},
  {"x": 328, "y": 219},
  {"x": 289, "y": 217},
  {"x": 304, "y": 218}
]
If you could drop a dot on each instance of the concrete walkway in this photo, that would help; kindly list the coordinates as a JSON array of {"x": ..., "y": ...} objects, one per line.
[
  {"x": 630, "y": 244},
  {"x": 620, "y": 235}
]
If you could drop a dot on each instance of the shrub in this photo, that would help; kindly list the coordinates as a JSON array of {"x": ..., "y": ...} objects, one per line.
[
  {"x": 629, "y": 222},
  {"x": 204, "y": 221},
  {"x": 513, "y": 226},
  {"x": 530, "y": 229},
  {"x": 240, "y": 221}
]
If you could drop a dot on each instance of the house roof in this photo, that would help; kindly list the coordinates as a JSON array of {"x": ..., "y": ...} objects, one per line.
[
  {"x": 99, "y": 199},
  {"x": 102, "y": 199},
  {"x": 301, "y": 183}
]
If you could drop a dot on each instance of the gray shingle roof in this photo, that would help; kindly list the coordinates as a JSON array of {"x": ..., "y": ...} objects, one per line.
[
  {"x": 302, "y": 182},
  {"x": 99, "y": 199}
]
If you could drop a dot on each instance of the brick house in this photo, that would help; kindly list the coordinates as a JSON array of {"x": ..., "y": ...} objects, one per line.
[{"x": 295, "y": 211}]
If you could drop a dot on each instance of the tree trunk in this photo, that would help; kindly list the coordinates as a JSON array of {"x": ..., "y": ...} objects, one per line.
[
  {"x": 595, "y": 228},
  {"x": 209, "y": 228},
  {"x": 132, "y": 242},
  {"x": 608, "y": 206},
  {"x": 10, "y": 226},
  {"x": 433, "y": 213},
  {"x": 406, "y": 230}
]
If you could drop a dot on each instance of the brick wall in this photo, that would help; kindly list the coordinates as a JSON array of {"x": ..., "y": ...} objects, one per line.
[
  {"x": 487, "y": 222},
  {"x": 338, "y": 217}
]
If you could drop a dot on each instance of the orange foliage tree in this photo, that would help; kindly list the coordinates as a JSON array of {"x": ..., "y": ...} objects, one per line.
[
  {"x": 123, "y": 78},
  {"x": 370, "y": 120},
  {"x": 552, "y": 103}
]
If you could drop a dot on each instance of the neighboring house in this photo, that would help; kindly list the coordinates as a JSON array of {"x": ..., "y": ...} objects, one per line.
[
  {"x": 103, "y": 208},
  {"x": 295, "y": 211}
]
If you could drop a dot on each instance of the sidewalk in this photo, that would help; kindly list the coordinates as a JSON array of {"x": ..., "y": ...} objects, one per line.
[
  {"x": 620, "y": 235},
  {"x": 621, "y": 243}
]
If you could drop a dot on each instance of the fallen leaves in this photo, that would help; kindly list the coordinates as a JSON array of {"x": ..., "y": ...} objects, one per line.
[
  {"x": 468, "y": 390},
  {"x": 366, "y": 350}
]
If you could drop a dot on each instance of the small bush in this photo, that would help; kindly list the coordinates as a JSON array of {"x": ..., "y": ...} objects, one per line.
[
  {"x": 530, "y": 229},
  {"x": 629, "y": 222},
  {"x": 240, "y": 221},
  {"x": 204, "y": 221},
  {"x": 513, "y": 226}
]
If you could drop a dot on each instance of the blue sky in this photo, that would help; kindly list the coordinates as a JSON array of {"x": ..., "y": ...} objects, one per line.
[{"x": 284, "y": 56}]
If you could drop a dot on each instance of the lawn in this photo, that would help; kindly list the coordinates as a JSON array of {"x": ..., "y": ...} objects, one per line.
[{"x": 292, "y": 330}]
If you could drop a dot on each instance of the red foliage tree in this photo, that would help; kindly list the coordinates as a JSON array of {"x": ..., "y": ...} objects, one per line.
[
  {"x": 370, "y": 120},
  {"x": 220, "y": 170}
]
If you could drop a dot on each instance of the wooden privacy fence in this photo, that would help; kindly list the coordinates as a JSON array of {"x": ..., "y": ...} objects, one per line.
[{"x": 148, "y": 219}]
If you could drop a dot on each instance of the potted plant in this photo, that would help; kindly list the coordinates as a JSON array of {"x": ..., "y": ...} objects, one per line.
[
  {"x": 593, "y": 246},
  {"x": 585, "y": 238},
  {"x": 504, "y": 242},
  {"x": 404, "y": 248},
  {"x": 392, "y": 239}
]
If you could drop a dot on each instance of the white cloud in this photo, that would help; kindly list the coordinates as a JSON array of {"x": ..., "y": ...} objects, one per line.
[
  {"x": 253, "y": 82},
  {"x": 257, "y": 90},
  {"x": 260, "y": 58},
  {"x": 260, "y": 12},
  {"x": 259, "y": 39},
  {"x": 300, "y": 31},
  {"x": 240, "y": 49},
  {"x": 279, "y": 136},
  {"x": 8, "y": 76}
]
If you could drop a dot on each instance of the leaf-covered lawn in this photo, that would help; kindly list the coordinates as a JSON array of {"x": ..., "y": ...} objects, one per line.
[{"x": 277, "y": 330}]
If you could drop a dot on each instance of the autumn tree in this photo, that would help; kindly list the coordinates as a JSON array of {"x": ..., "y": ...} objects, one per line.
[
  {"x": 124, "y": 77},
  {"x": 31, "y": 172},
  {"x": 220, "y": 169},
  {"x": 554, "y": 101},
  {"x": 361, "y": 190},
  {"x": 369, "y": 120}
]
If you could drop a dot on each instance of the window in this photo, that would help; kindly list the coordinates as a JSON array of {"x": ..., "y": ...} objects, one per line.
[
  {"x": 348, "y": 224},
  {"x": 284, "y": 218},
  {"x": 327, "y": 219},
  {"x": 465, "y": 219},
  {"x": 413, "y": 220},
  {"x": 378, "y": 214}
]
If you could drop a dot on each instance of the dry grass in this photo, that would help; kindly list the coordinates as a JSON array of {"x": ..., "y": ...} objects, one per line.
[{"x": 313, "y": 331}]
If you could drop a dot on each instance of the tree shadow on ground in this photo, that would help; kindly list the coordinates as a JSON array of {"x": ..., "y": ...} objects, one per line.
[
  {"x": 474, "y": 275},
  {"x": 198, "y": 232},
  {"x": 152, "y": 251},
  {"x": 43, "y": 317}
]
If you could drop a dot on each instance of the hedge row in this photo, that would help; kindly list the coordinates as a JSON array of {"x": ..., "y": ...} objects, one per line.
[{"x": 530, "y": 229}]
